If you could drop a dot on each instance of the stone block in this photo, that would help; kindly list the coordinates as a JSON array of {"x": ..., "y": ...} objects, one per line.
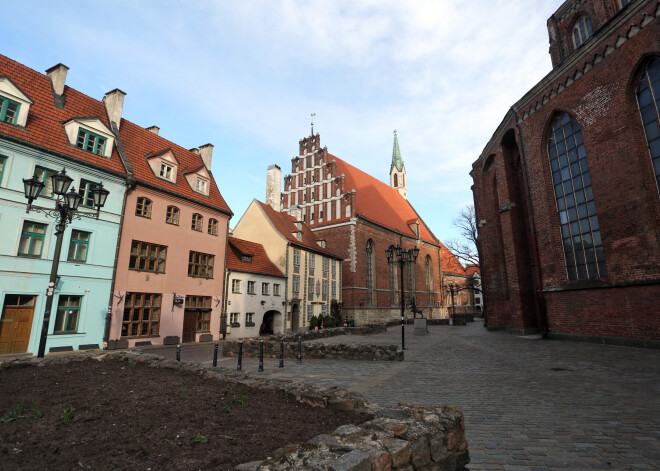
[
  {"x": 421, "y": 455},
  {"x": 400, "y": 451},
  {"x": 420, "y": 327},
  {"x": 354, "y": 461},
  {"x": 171, "y": 340},
  {"x": 206, "y": 338},
  {"x": 381, "y": 460}
]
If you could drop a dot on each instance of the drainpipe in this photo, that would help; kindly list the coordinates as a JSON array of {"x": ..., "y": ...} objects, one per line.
[
  {"x": 224, "y": 301},
  {"x": 543, "y": 315},
  {"x": 130, "y": 185}
]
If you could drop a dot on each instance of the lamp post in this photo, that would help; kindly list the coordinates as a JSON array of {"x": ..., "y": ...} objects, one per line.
[
  {"x": 403, "y": 256},
  {"x": 66, "y": 209}
]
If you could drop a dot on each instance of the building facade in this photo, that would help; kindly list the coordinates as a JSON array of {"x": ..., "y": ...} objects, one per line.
[
  {"x": 256, "y": 291},
  {"x": 359, "y": 217},
  {"x": 566, "y": 191},
  {"x": 46, "y": 127},
  {"x": 313, "y": 272}
]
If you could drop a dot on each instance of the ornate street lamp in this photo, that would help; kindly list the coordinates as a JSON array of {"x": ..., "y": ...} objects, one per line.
[
  {"x": 403, "y": 256},
  {"x": 66, "y": 209}
]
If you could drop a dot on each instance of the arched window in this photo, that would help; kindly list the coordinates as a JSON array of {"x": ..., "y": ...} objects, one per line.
[
  {"x": 393, "y": 280},
  {"x": 172, "y": 215},
  {"x": 396, "y": 180},
  {"x": 583, "y": 248},
  {"x": 648, "y": 97},
  {"x": 370, "y": 272},
  {"x": 213, "y": 227},
  {"x": 429, "y": 280},
  {"x": 143, "y": 207},
  {"x": 582, "y": 31},
  {"x": 197, "y": 221}
]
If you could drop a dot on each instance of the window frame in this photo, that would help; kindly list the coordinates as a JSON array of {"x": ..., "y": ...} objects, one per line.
[
  {"x": 201, "y": 185},
  {"x": 97, "y": 149},
  {"x": 143, "y": 207},
  {"x": 200, "y": 265},
  {"x": 295, "y": 285},
  {"x": 4, "y": 108},
  {"x": 32, "y": 237},
  {"x": 213, "y": 227},
  {"x": 251, "y": 287},
  {"x": 277, "y": 289},
  {"x": 648, "y": 105},
  {"x": 202, "y": 306},
  {"x": 582, "y": 25},
  {"x": 46, "y": 179},
  {"x": 67, "y": 312},
  {"x": 76, "y": 243},
  {"x": 154, "y": 306},
  {"x": 236, "y": 286},
  {"x": 233, "y": 319},
  {"x": 197, "y": 222},
  {"x": 265, "y": 288},
  {"x": 136, "y": 258},
  {"x": 172, "y": 215},
  {"x": 84, "y": 190},
  {"x": 169, "y": 174},
  {"x": 249, "y": 319}
]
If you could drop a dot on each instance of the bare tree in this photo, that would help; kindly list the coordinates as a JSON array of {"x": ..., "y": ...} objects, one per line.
[{"x": 465, "y": 248}]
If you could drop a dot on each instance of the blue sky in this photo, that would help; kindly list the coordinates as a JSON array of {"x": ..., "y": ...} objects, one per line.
[{"x": 245, "y": 76}]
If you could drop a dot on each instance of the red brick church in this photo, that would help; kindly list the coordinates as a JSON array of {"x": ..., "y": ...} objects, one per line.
[{"x": 567, "y": 189}]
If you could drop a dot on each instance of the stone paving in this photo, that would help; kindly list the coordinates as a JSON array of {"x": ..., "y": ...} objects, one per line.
[{"x": 529, "y": 404}]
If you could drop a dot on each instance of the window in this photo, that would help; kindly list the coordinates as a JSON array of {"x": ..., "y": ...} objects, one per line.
[
  {"x": 141, "y": 315},
  {"x": 249, "y": 319},
  {"x": 310, "y": 286},
  {"x": 201, "y": 186},
  {"x": 326, "y": 267},
  {"x": 236, "y": 286},
  {"x": 582, "y": 31},
  {"x": 200, "y": 265},
  {"x": 311, "y": 263},
  {"x": 233, "y": 319},
  {"x": 90, "y": 142},
  {"x": 295, "y": 285},
  {"x": 172, "y": 215},
  {"x": 325, "y": 290},
  {"x": 166, "y": 171},
  {"x": 213, "y": 227},
  {"x": 246, "y": 258},
  {"x": 201, "y": 304},
  {"x": 648, "y": 97},
  {"x": 276, "y": 289},
  {"x": 334, "y": 268},
  {"x": 147, "y": 257},
  {"x": 3, "y": 161},
  {"x": 8, "y": 110},
  {"x": 333, "y": 293},
  {"x": 393, "y": 280},
  {"x": 310, "y": 312},
  {"x": 143, "y": 207},
  {"x": 370, "y": 273},
  {"x": 429, "y": 280},
  {"x": 576, "y": 209},
  {"x": 410, "y": 270},
  {"x": 296, "y": 257},
  {"x": 45, "y": 174},
  {"x": 68, "y": 311},
  {"x": 265, "y": 289},
  {"x": 85, "y": 192},
  {"x": 197, "y": 221},
  {"x": 32, "y": 239},
  {"x": 78, "y": 246},
  {"x": 324, "y": 310},
  {"x": 252, "y": 287}
]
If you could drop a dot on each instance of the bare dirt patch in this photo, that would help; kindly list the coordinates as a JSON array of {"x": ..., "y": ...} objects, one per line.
[{"x": 124, "y": 415}]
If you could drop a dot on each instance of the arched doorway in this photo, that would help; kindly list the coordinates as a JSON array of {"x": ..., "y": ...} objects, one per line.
[
  {"x": 271, "y": 324},
  {"x": 295, "y": 317}
]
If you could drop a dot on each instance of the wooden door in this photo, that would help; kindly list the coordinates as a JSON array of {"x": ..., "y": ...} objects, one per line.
[
  {"x": 15, "y": 327},
  {"x": 189, "y": 326}
]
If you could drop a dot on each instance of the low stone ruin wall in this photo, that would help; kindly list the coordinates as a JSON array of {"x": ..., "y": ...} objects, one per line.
[
  {"x": 316, "y": 351},
  {"x": 332, "y": 332}
]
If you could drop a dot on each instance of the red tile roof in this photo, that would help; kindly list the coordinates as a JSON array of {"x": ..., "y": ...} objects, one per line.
[
  {"x": 472, "y": 269},
  {"x": 44, "y": 123},
  {"x": 261, "y": 264},
  {"x": 380, "y": 203},
  {"x": 286, "y": 225},
  {"x": 45, "y": 128},
  {"x": 450, "y": 263}
]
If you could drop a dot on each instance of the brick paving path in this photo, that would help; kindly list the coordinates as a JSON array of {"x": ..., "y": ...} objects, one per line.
[{"x": 529, "y": 404}]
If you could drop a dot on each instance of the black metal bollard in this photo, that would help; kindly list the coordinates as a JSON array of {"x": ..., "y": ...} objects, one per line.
[
  {"x": 215, "y": 354},
  {"x": 281, "y": 353},
  {"x": 240, "y": 355},
  {"x": 261, "y": 355},
  {"x": 178, "y": 352},
  {"x": 299, "y": 349}
]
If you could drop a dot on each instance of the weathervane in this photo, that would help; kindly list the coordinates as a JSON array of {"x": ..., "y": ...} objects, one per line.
[{"x": 313, "y": 116}]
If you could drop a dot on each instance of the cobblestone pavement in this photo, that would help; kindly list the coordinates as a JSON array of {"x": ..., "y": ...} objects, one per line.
[{"x": 529, "y": 404}]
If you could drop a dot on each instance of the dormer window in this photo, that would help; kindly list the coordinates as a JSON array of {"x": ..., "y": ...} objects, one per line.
[
  {"x": 8, "y": 110},
  {"x": 202, "y": 186},
  {"x": 90, "y": 142},
  {"x": 166, "y": 171},
  {"x": 246, "y": 258},
  {"x": 582, "y": 31}
]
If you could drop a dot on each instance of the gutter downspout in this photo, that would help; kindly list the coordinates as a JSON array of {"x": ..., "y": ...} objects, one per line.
[
  {"x": 543, "y": 316},
  {"x": 223, "y": 328}
]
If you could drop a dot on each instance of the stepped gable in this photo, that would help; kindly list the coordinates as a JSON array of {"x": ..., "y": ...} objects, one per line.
[
  {"x": 377, "y": 202},
  {"x": 260, "y": 263},
  {"x": 139, "y": 143},
  {"x": 44, "y": 126},
  {"x": 286, "y": 225}
]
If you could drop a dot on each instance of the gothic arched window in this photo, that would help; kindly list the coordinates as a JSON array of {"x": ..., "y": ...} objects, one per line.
[
  {"x": 396, "y": 180},
  {"x": 576, "y": 208},
  {"x": 370, "y": 274},
  {"x": 429, "y": 280},
  {"x": 582, "y": 31},
  {"x": 648, "y": 97},
  {"x": 393, "y": 279}
]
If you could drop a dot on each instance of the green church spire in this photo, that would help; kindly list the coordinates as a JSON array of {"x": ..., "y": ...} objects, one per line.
[{"x": 397, "y": 161}]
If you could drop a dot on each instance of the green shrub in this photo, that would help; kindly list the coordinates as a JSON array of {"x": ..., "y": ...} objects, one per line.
[{"x": 313, "y": 322}]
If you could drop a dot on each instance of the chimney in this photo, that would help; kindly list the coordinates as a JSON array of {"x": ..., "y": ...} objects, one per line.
[
  {"x": 57, "y": 76},
  {"x": 296, "y": 212},
  {"x": 153, "y": 129},
  {"x": 194, "y": 150},
  {"x": 206, "y": 152},
  {"x": 274, "y": 187},
  {"x": 114, "y": 102}
]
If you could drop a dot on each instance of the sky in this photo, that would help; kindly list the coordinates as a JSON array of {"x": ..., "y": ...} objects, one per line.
[{"x": 246, "y": 75}]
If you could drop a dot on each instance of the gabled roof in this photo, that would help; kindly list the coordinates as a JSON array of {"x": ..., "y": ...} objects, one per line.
[
  {"x": 260, "y": 264},
  {"x": 380, "y": 203},
  {"x": 450, "y": 263},
  {"x": 44, "y": 125},
  {"x": 472, "y": 269},
  {"x": 286, "y": 225}
]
